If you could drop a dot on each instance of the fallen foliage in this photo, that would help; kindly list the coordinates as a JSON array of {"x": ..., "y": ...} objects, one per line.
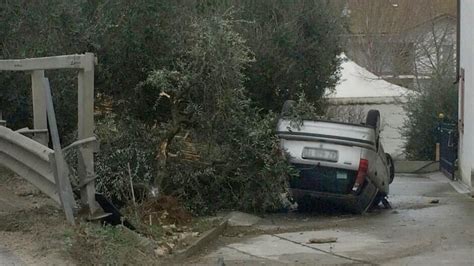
[{"x": 163, "y": 210}]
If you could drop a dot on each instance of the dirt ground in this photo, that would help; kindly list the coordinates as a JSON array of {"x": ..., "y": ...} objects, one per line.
[
  {"x": 32, "y": 227},
  {"x": 33, "y": 231}
]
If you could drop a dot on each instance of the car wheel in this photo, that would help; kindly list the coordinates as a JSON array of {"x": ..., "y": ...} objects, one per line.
[
  {"x": 391, "y": 167},
  {"x": 373, "y": 120}
]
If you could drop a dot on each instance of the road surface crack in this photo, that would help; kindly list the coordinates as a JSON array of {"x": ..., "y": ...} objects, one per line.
[
  {"x": 324, "y": 251},
  {"x": 251, "y": 255}
]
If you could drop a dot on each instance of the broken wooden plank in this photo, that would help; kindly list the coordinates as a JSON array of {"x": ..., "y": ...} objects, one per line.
[{"x": 322, "y": 240}]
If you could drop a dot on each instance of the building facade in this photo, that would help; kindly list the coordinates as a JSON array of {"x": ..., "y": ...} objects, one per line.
[
  {"x": 359, "y": 91},
  {"x": 466, "y": 92}
]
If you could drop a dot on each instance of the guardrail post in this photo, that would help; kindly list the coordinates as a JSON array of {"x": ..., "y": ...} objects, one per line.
[
  {"x": 39, "y": 106},
  {"x": 86, "y": 130},
  {"x": 85, "y": 64}
]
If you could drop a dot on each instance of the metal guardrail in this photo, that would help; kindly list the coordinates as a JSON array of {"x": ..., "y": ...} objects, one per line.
[
  {"x": 31, "y": 158},
  {"x": 45, "y": 168},
  {"x": 28, "y": 159}
]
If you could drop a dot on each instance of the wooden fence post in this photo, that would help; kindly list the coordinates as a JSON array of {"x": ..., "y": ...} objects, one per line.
[
  {"x": 86, "y": 130},
  {"x": 39, "y": 106}
]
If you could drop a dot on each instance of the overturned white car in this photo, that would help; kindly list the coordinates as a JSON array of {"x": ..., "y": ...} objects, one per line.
[{"x": 339, "y": 163}]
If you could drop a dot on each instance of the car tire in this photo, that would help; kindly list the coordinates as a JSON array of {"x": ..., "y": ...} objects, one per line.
[
  {"x": 373, "y": 119},
  {"x": 391, "y": 167}
]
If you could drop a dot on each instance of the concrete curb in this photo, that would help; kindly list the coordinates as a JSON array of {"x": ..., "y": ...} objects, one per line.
[
  {"x": 202, "y": 241},
  {"x": 416, "y": 167},
  {"x": 146, "y": 244},
  {"x": 460, "y": 187}
]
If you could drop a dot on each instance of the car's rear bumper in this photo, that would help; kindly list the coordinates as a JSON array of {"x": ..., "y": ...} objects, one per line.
[{"x": 356, "y": 203}]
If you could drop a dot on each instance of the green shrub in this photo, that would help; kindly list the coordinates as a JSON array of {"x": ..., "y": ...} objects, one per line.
[
  {"x": 239, "y": 164},
  {"x": 423, "y": 109},
  {"x": 123, "y": 143}
]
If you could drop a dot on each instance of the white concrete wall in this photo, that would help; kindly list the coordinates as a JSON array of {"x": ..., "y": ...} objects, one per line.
[
  {"x": 392, "y": 118},
  {"x": 466, "y": 140}
]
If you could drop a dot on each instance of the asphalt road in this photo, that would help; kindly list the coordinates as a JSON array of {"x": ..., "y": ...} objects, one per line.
[
  {"x": 7, "y": 258},
  {"x": 416, "y": 231}
]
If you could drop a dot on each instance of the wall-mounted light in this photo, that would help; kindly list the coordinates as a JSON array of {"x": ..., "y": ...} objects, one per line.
[{"x": 393, "y": 4}]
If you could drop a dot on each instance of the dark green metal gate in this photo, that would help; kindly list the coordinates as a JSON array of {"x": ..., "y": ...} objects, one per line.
[{"x": 448, "y": 140}]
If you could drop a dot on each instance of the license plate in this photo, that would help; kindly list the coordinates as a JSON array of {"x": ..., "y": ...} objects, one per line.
[
  {"x": 319, "y": 154},
  {"x": 341, "y": 175}
]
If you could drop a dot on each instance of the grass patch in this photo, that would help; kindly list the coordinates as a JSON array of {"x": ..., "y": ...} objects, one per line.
[{"x": 93, "y": 244}]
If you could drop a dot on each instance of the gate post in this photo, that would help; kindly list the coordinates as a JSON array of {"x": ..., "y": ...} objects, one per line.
[
  {"x": 437, "y": 152},
  {"x": 39, "y": 106},
  {"x": 86, "y": 130}
]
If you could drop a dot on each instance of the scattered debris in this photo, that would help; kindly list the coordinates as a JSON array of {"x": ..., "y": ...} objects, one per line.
[
  {"x": 322, "y": 240},
  {"x": 385, "y": 203},
  {"x": 435, "y": 201},
  {"x": 162, "y": 251},
  {"x": 164, "y": 210}
]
